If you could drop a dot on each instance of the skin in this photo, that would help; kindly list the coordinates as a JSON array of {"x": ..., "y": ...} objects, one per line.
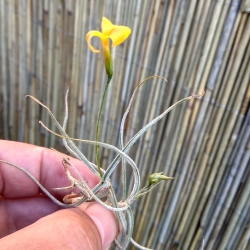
[{"x": 30, "y": 220}]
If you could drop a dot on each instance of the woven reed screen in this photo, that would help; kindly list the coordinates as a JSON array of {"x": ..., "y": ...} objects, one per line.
[{"x": 204, "y": 144}]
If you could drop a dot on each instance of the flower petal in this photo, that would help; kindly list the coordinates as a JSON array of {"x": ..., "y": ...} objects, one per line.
[
  {"x": 107, "y": 26},
  {"x": 119, "y": 34},
  {"x": 89, "y": 35}
]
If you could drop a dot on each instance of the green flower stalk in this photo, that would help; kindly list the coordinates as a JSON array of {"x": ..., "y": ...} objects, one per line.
[{"x": 117, "y": 34}]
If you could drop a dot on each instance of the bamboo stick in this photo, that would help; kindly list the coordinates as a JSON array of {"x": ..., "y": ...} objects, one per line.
[
  {"x": 22, "y": 77},
  {"x": 244, "y": 241},
  {"x": 211, "y": 178},
  {"x": 52, "y": 8},
  {"x": 169, "y": 51},
  {"x": 242, "y": 223},
  {"x": 177, "y": 192},
  {"x": 12, "y": 70},
  {"x": 4, "y": 71},
  {"x": 245, "y": 6},
  {"x": 238, "y": 210},
  {"x": 232, "y": 119}
]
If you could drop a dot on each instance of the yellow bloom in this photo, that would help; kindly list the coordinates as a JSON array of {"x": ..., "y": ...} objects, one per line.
[{"x": 116, "y": 33}]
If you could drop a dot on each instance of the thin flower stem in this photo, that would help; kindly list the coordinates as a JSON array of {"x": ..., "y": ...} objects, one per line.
[{"x": 97, "y": 131}]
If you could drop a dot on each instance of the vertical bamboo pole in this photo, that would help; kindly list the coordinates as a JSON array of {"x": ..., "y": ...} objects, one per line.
[
  {"x": 11, "y": 57},
  {"x": 4, "y": 78},
  {"x": 52, "y": 8},
  {"x": 244, "y": 199}
]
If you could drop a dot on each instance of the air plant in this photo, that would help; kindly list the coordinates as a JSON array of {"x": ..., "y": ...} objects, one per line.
[{"x": 103, "y": 192}]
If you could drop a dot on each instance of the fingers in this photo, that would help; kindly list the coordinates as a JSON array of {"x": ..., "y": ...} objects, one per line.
[
  {"x": 19, "y": 213},
  {"x": 89, "y": 226},
  {"x": 44, "y": 164}
]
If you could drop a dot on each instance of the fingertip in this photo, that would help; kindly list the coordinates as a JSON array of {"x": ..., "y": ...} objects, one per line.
[{"x": 105, "y": 221}]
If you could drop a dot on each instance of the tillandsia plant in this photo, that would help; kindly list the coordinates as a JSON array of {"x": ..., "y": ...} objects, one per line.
[{"x": 103, "y": 192}]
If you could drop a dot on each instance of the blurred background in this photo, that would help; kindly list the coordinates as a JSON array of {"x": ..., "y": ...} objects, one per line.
[{"x": 203, "y": 143}]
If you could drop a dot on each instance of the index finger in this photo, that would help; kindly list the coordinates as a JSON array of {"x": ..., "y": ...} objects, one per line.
[{"x": 44, "y": 164}]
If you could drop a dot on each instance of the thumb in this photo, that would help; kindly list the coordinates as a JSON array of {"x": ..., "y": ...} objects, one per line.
[
  {"x": 105, "y": 222},
  {"x": 89, "y": 226}
]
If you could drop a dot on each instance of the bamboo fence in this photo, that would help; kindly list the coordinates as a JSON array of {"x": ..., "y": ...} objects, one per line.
[{"x": 204, "y": 144}]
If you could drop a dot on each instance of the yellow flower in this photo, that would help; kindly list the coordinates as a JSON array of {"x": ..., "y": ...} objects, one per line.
[{"x": 116, "y": 33}]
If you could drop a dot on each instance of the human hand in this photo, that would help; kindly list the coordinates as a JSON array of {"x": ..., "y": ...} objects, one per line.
[{"x": 30, "y": 220}]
